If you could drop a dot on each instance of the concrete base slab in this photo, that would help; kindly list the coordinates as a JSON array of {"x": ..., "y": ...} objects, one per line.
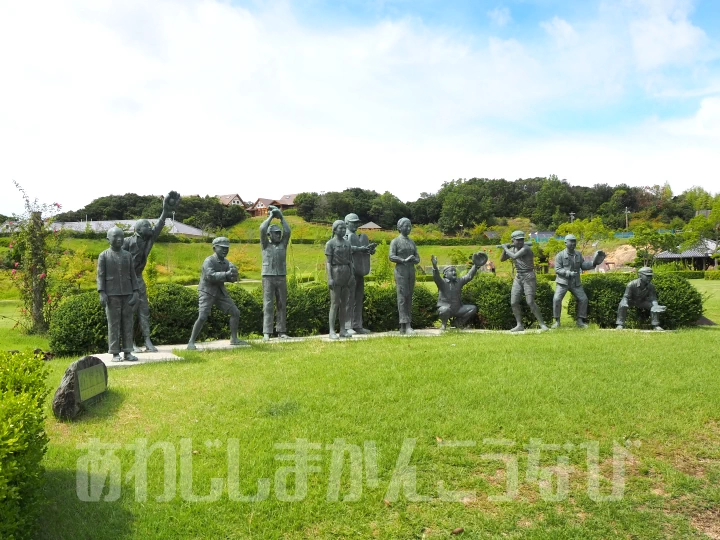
[
  {"x": 164, "y": 354},
  {"x": 217, "y": 345}
]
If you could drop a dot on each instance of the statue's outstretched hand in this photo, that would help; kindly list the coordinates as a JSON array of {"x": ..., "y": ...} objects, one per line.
[{"x": 171, "y": 201}]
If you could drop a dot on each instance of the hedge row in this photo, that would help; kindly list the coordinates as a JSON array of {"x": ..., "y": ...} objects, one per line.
[
  {"x": 687, "y": 274},
  {"x": 78, "y": 325},
  {"x": 683, "y": 301},
  {"x": 712, "y": 274},
  {"x": 22, "y": 441}
]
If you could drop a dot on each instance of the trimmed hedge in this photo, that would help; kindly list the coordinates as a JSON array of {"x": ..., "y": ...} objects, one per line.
[
  {"x": 491, "y": 294},
  {"x": 712, "y": 274},
  {"x": 78, "y": 326},
  {"x": 687, "y": 274},
  {"x": 22, "y": 442},
  {"x": 545, "y": 277},
  {"x": 683, "y": 301}
]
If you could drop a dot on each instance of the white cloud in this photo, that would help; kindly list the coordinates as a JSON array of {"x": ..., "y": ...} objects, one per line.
[
  {"x": 500, "y": 16},
  {"x": 663, "y": 35},
  {"x": 561, "y": 31},
  {"x": 206, "y": 97}
]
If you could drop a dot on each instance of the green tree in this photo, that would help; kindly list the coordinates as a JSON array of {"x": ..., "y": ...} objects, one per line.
[
  {"x": 387, "y": 209},
  {"x": 587, "y": 231},
  {"x": 305, "y": 204},
  {"x": 648, "y": 242}
]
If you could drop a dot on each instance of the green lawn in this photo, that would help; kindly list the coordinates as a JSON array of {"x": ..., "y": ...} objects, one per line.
[
  {"x": 656, "y": 393},
  {"x": 568, "y": 386}
]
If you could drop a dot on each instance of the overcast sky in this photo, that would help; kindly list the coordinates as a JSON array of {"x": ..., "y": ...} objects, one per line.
[{"x": 268, "y": 98}]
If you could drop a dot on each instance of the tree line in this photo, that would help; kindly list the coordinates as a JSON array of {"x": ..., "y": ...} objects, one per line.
[
  {"x": 462, "y": 204},
  {"x": 458, "y": 207},
  {"x": 206, "y": 213}
]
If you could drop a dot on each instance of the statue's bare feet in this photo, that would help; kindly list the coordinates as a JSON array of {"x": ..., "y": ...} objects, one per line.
[
  {"x": 191, "y": 346},
  {"x": 518, "y": 328},
  {"x": 266, "y": 337},
  {"x": 149, "y": 345},
  {"x": 284, "y": 336},
  {"x": 543, "y": 327},
  {"x": 556, "y": 324},
  {"x": 361, "y": 331},
  {"x": 116, "y": 358},
  {"x": 333, "y": 335},
  {"x": 129, "y": 357}
]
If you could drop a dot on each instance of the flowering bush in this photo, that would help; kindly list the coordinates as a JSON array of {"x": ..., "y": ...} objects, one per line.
[{"x": 35, "y": 251}]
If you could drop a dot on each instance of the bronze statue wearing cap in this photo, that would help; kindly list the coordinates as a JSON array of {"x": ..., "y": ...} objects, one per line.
[
  {"x": 216, "y": 271},
  {"x": 362, "y": 248},
  {"x": 450, "y": 286},
  {"x": 523, "y": 260},
  {"x": 569, "y": 264},
  {"x": 274, "y": 242},
  {"x": 640, "y": 293}
]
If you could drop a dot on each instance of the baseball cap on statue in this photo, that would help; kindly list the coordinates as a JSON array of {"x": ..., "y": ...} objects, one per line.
[
  {"x": 517, "y": 235},
  {"x": 221, "y": 241},
  {"x": 352, "y": 218}
]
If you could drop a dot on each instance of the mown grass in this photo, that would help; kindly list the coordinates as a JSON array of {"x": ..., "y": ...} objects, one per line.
[
  {"x": 565, "y": 386},
  {"x": 569, "y": 386}
]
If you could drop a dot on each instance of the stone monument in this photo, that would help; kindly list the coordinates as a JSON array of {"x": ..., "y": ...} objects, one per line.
[
  {"x": 404, "y": 253},
  {"x": 139, "y": 246},
  {"x": 84, "y": 382},
  {"x": 569, "y": 264},
  {"x": 640, "y": 293},
  {"x": 450, "y": 291},
  {"x": 118, "y": 288},
  {"x": 216, "y": 271},
  {"x": 362, "y": 248},
  {"x": 274, "y": 242},
  {"x": 338, "y": 263},
  {"x": 524, "y": 280}
]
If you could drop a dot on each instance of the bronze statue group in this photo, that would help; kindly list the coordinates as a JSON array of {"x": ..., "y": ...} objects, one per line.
[{"x": 347, "y": 260}]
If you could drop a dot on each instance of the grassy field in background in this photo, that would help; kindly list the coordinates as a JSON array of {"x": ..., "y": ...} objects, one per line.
[{"x": 656, "y": 393}]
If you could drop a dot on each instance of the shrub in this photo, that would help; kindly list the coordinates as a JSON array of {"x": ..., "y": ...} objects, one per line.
[
  {"x": 491, "y": 295},
  {"x": 545, "y": 277},
  {"x": 22, "y": 442},
  {"x": 688, "y": 274},
  {"x": 78, "y": 326},
  {"x": 307, "y": 309},
  {"x": 712, "y": 274},
  {"x": 604, "y": 291},
  {"x": 173, "y": 311},
  {"x": 380, "y": 312}
]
